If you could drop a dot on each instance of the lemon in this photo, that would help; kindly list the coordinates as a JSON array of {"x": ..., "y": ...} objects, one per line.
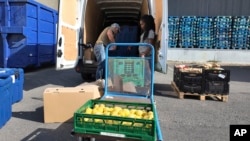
[
  {"x": 96, "y": 112},
  {"x": 106, "y": 113},
  {"x": 108, "y": 121},
  {"x": 132, "y": 111},
  {"x": 102, "y": 105},
  {"x": 139, "y": 113},
  {"x": 138, "y": 124},
  {"x": 127, "y": 123},
  {"x": 98, "y": 120},
  {"x": 117, "y": 108},
  {"x": 96, "y": 106},
  {"x": 114, "y": 113},
  {"x": 88, "y": 111},
  {"x": 132, "y": 116},
  {"x": 126, "y": 112}
]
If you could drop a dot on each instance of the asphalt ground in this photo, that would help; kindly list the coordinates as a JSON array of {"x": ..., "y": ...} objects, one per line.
[{"x": 180, "y": 119}]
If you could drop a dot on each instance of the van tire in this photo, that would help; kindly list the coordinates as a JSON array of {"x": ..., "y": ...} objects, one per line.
[{"x": 87, "y": 76}]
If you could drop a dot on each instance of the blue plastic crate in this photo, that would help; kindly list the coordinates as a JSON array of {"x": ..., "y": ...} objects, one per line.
[
  {"x": 29, "y": 36},
  {"x": 16, "y": 88},
  {"x": 5, "y": 98},
  {"x": 18, "y": 85}
]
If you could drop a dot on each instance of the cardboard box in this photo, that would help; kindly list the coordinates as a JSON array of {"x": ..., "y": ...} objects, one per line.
[
  {"x": 95, "y": 86},
  {"x": 61, "y": 103}
]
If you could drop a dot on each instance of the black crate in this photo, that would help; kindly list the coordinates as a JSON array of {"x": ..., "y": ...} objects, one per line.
[
  {"x": 191, "y": 87},
  {"x": 176, "y": 73},
  {"x": 217, "y": 75},
  {"x": 216, "y": 87},
  {"x": 190, "y": 77}
]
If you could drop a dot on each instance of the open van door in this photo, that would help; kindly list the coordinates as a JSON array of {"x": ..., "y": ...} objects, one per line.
[
  {"x": 164, "y": 38},
  {"x": 159, "y": 8},
  {"x": 69, "y": 25}
]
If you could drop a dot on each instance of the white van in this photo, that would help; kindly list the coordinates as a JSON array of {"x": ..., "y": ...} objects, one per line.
[{"x": 81, "y": 21}]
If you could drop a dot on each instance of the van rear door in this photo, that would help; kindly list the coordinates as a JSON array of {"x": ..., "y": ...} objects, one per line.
[
  {"x": 164, "y": 37},
  {"x": 69, "y": 25},
  {"x": 159, "y": 8}
]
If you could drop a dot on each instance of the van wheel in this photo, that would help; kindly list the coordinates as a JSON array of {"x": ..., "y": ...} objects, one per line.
[{"x": 87, "y": 76}]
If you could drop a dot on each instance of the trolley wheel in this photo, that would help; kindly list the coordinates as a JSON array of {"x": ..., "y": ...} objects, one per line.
[{"x": 79, "y": 138}]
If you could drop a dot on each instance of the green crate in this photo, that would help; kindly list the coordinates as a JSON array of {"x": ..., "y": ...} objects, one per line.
[
  {"x": 100, "y": 124},
  {"x": 131, "y": 70}
]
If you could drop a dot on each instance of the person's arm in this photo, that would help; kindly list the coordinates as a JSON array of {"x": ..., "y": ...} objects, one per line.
[
  {"x": 111, "y": 38},
  {"x": 150, "y": 40}
]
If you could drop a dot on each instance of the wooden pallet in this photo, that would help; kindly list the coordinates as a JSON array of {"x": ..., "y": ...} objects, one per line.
[{"x": 202, "y": 97}]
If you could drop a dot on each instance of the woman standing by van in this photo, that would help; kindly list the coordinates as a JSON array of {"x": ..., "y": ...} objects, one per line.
[
  {"x": 148, "y": 35},
  {"x": 147, "y": 25}
]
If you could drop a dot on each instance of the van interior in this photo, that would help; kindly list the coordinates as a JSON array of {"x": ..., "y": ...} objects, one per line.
[{"x": 102, "y": 13}]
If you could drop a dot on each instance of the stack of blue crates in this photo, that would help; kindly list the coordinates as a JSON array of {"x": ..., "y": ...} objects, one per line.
[
  {"x": 173, "y": 27},
  {"x": 17, "y": 75},
  {"x": 5, "y": 96},
  {"x": 187, "y": 31},
  {"x": 27, "y": 33},
  {"x": 223, "y": 31},
  {"x": 11, "y": 91},
  {"x": 204, "y": 33},
  {"x": 240, "y": 32}
]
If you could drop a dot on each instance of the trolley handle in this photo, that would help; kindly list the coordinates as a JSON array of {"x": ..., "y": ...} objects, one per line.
[{"x": 130, "y": 44}]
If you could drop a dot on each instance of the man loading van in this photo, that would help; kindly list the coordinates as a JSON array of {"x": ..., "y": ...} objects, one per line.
[{"x": 106, "y": 37}]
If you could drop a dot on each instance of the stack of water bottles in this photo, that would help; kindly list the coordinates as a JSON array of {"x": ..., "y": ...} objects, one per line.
[
  {"x": 187, "y": 36},
  {"x": 223, "y": 31},
  {"x": 240, "y": 32},
  {"x": 204, "y": 33},
  {"x": 173, "y": 27}
]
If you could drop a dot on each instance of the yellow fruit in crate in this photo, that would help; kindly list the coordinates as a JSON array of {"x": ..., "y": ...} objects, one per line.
[
  {"x": 111, "y": 109},
  {"x": 106, "y": 113},
  {"x": 139, "y": 113},
  {"x": 150, "y": 117},
  {"x": 121, "y": 113},
  {"x": 132, "y": 116},
  {"x": 109, "y": 121},
  {"x": 100, "y": 109},
  {"x": 114, "y": 113},
  {"x": 106, "y": 109},
  {"x": 138, "y": 124},
  {"x": 102, "y": 105},
  {"x": 127, "y": 123},
  {"x": 149, "y": 126},
  {"x": 86, "y": 119},
  {"x": 96, "y": 112},
  {"x": 150, "y": 113},
  {"x": 117, "y": 108},
  {"x": 88, "y": 111},
  {"x": 145, "y": 117},
  {"x": 116, "y": 122},
  {"x": 132, "y": 111},
  {"x": 98, "y": 120},
  {"x": 126, "y": 112},
  {"x": 96, "y": 106}
]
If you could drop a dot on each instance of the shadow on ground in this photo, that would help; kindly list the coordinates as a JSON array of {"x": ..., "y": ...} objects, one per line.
[
  {"x": 164, "y": 90},
  {"x": 36, "y": 116},
  {"x": 48, "y": 75},
  {"x": 62, "y": 133}
]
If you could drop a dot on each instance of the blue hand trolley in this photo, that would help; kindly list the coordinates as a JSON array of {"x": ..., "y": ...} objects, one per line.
[{"x": 128, "y": 79}]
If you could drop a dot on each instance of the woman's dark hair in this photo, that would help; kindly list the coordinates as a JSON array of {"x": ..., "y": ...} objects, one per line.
[{"x": 149, "y": 24}]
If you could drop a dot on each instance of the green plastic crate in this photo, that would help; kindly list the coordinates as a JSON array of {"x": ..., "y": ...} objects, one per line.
[
  {"x": 131, "y": 70},
  {"x": 99, "y": 124}
]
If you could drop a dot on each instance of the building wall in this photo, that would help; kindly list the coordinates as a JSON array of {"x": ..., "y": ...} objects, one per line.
[
  {"x": 209, "y": 7},
  {"x": 50, "y": 3}
]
